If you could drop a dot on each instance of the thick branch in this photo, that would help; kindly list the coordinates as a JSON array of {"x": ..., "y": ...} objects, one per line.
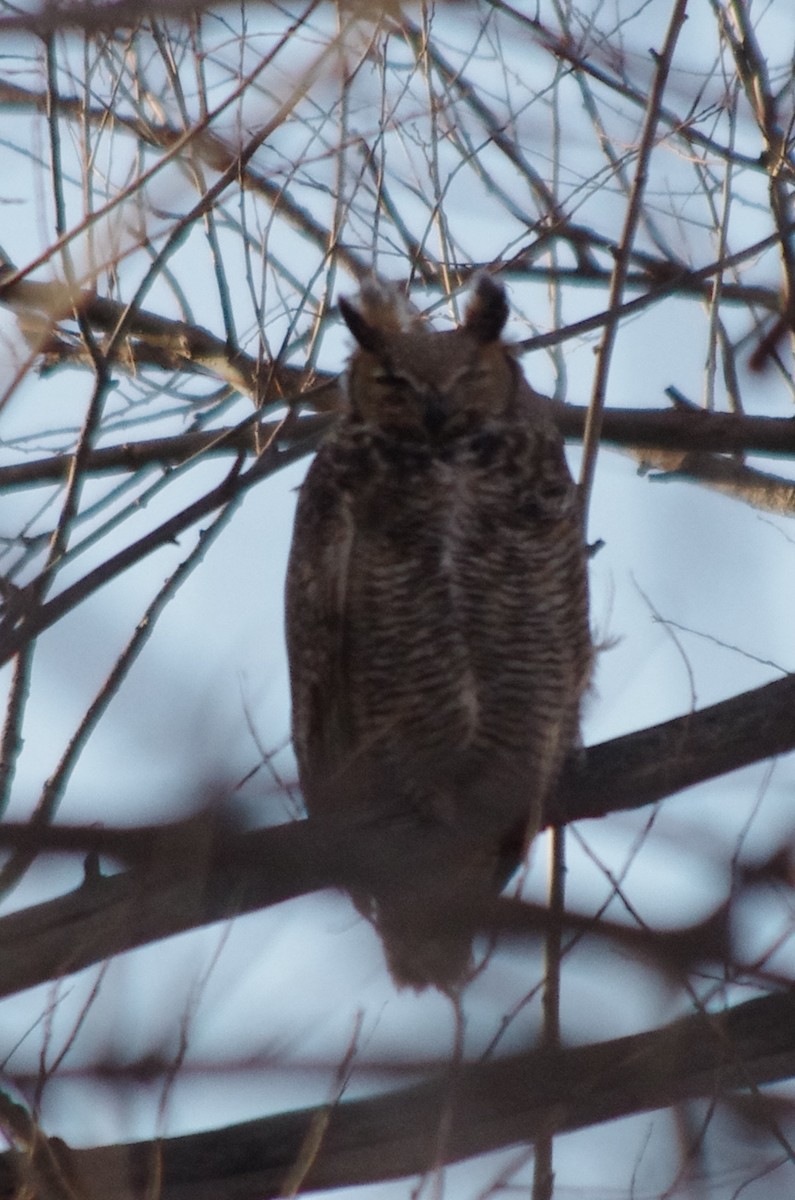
[
  {"x": 495, "y": 1105},
  {"x": 223, "y": 873},
  {"x": 645, "y": 428},
  {"x": 685, "y": 430},
  {"x": 641, "y": 768},
  {"x": 244, "y": 438}
]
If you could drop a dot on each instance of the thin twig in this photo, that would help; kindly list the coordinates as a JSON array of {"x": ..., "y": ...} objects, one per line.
[{"x": 598, "y": 399}]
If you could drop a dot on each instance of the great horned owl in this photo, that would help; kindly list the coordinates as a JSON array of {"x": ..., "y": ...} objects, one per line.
[{"x": 437, "y": 620}]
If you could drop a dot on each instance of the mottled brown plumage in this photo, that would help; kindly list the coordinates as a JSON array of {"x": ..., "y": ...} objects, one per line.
[{"x": 437, "y": 620}]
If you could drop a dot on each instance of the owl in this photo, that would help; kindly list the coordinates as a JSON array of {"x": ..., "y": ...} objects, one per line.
[{"x": 437, "y": 620}]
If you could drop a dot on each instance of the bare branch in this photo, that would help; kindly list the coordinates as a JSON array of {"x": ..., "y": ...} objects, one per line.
[{"x": 497, "y": 1104}]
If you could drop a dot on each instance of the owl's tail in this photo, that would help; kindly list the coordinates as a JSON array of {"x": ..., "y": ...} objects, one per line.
[
  {"x": 428, "y": 932},
  {"x": 425, "y": 948},
  {"x": 428, "y": 919}
]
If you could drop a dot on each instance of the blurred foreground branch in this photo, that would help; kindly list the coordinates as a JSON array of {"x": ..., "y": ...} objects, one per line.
[
  {"x": 496, "y": 1104},
  {"x": 223, "y": 873}
]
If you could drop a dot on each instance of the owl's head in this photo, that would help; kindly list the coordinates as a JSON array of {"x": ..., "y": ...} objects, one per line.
[{"x": 406, "y": 375}]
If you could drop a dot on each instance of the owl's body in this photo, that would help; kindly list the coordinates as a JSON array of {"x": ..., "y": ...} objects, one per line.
[{"x": 437, "y": 617}]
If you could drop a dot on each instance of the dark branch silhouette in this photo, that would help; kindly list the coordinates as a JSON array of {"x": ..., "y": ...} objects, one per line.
[
  {"x": 226, "y": 872},
  {"x": 496, "y": 1104}
]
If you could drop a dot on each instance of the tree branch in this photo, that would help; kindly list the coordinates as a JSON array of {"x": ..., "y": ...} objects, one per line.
[
  {"x": 496, "y": 1105},
  {"x": 223, "y": 872},
  {"x": 660, "y": 429}
]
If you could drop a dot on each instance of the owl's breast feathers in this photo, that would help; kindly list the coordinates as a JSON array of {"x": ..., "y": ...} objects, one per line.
[{"x": 430, "y": 613}]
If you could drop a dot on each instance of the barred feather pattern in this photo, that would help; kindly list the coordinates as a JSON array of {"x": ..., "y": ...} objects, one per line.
[{"x": 437, "y": 620}]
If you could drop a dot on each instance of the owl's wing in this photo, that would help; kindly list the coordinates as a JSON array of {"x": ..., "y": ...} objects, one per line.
[{"x": 316, "y": 595}]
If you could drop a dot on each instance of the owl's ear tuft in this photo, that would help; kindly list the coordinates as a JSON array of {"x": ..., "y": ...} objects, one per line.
[
  {"x": 487, "y": 310},
  {"x": 368, "y": 336},
  {"x": 379, "y": 309}
]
